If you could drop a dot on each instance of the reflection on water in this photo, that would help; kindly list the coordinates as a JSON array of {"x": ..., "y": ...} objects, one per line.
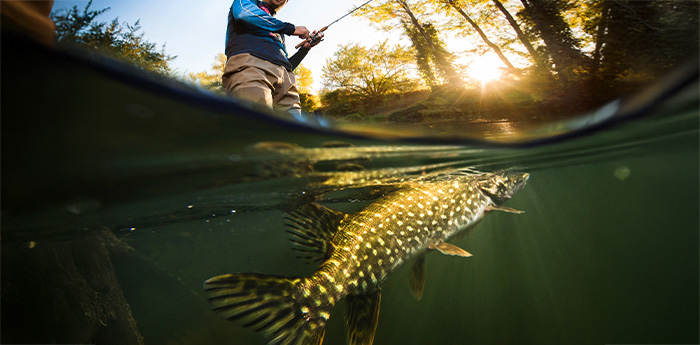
[{"x": 112, "y": 220}]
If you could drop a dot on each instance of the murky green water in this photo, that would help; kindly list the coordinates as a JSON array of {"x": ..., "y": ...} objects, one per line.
[{"x": 605, "y": 253}]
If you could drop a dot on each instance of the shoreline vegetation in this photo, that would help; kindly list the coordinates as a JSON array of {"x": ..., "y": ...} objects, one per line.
[
  {"x": 497, "y": 101},
  {"x": 548, "y": 59},
  {"x": 515, "y": 60}
]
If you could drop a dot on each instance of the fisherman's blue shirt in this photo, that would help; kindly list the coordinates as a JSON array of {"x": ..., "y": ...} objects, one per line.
[{"x": 253, "y": 29}]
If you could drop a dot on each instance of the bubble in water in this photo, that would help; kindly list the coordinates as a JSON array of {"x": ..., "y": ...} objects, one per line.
[
  {"x": 83, "y": 206},
  {"x": 622, "y": 173}
]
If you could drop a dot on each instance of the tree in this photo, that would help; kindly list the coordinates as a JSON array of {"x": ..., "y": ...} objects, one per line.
[
  {"x": 424, "y": 57},
  {"x": 122, "y": 41},
  {"x": 304, "y": 79},
  {"x": 390, "y": 12},
  {"x": 309, "y": 101},
  {"x": 441, "y": 56},
  {"x": 640, "y": 39},
  {"x": 211, "y": 80},
  {"x": 370, "y": 72},
  {"x": 599, "y": 14}
]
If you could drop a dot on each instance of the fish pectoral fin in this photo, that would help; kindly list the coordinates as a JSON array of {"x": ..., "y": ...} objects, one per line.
[
  {"x": 503, "y": 209},
  {"x": 312, "y": 227},
  {"x": 416, "y": 277},
  {"x": 361, "y": 317},
  {"x": 450, "y": 249}
]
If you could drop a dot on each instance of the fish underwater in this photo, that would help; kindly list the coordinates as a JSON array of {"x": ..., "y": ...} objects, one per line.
[{"x": 359, "y": 252}]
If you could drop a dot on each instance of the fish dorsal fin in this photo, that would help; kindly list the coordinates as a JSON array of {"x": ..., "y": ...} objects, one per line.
[
  {"x": 450, "y": 249},
  {"x": 361, "y": 317},
  {"x": 312, "y": 227},
  {"x": 503, "y": 209},
  {"x": 416, "y": 278}
]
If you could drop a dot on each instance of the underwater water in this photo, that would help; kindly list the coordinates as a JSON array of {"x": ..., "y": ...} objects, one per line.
[{"x": 118, "y": 205}]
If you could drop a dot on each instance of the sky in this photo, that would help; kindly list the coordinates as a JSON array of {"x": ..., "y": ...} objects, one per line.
[{"x": 195, "y": 31}]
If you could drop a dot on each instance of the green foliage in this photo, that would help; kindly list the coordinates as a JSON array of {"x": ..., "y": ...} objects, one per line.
[
  {"x": 360, "y": 79},
  {"x": 571, "y": 55},
  {"x": 446, "y": 104},
  {"x": 370, "y": 72},
  {"x": 360, "y": 115},
  {"x": 309, "y": 102},
  {"x": 304, "y": 79},
  {"x": 123, "y": 41},
  {"x": 339, "y": 102},
  {"x": 387, "y": 15}
]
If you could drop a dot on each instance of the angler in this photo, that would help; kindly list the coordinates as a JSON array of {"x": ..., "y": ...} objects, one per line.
[
  {"x": 258, "y": 68},
  {"x": 358, "y": 252}
]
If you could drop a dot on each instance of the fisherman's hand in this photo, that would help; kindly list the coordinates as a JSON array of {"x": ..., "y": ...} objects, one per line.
[
  {"x": 312, "y": 43},
  {"x": 302, "y": 32}
]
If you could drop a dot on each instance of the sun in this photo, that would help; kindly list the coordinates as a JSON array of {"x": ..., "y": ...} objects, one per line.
[{"x": 484, "y": 69}]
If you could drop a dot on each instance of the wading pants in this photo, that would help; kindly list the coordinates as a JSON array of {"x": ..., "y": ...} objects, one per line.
[{"x": 260, "y": 81}]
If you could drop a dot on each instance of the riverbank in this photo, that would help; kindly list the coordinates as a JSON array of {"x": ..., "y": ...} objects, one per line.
[{"x": 493, "y": 102}]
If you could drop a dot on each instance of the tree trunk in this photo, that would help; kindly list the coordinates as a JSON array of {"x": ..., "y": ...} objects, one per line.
[
  {"x": 65, "y": 292},
  {"x": 548, "y": 21},
  {"x": 446, "y": 66},
  {"x": 536, "y": 57},
  {"x": 484, "y": 37},
  {"x": 600, "y": 37},
  {"x": 423, "y": 54}
]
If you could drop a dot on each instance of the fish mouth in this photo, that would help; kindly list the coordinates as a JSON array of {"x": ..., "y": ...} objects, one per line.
[
  {"x": 516, "y": 182},
  {"x": 521, "y": 180},
  {"x": 502, "y": 186}
]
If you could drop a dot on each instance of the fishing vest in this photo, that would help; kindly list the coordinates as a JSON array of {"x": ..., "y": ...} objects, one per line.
[{"x": 259, "y": 36}]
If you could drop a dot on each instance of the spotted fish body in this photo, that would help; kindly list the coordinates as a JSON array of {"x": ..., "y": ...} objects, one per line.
[{"x": 359, "y": 252}]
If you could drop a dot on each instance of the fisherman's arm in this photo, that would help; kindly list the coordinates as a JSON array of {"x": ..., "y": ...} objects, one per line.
[
  {"x": 248, "y": 12},
  {"x": 295, "y": 59}
]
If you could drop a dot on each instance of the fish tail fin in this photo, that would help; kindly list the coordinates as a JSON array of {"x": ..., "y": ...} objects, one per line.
[{"x": 269, "y": 304}]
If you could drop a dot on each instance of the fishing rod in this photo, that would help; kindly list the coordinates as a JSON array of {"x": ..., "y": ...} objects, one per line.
[{"x": 317, "y": 36}]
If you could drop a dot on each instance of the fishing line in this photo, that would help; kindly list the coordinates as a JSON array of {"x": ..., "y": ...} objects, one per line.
[{"x": 318, "y": 38}]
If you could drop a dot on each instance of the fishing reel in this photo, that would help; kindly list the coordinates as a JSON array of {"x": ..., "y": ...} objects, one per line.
[{"x": 314, "y": 39}]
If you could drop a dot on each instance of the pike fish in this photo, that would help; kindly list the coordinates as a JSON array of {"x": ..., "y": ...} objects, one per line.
[{"x": 358, "y": 252}]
